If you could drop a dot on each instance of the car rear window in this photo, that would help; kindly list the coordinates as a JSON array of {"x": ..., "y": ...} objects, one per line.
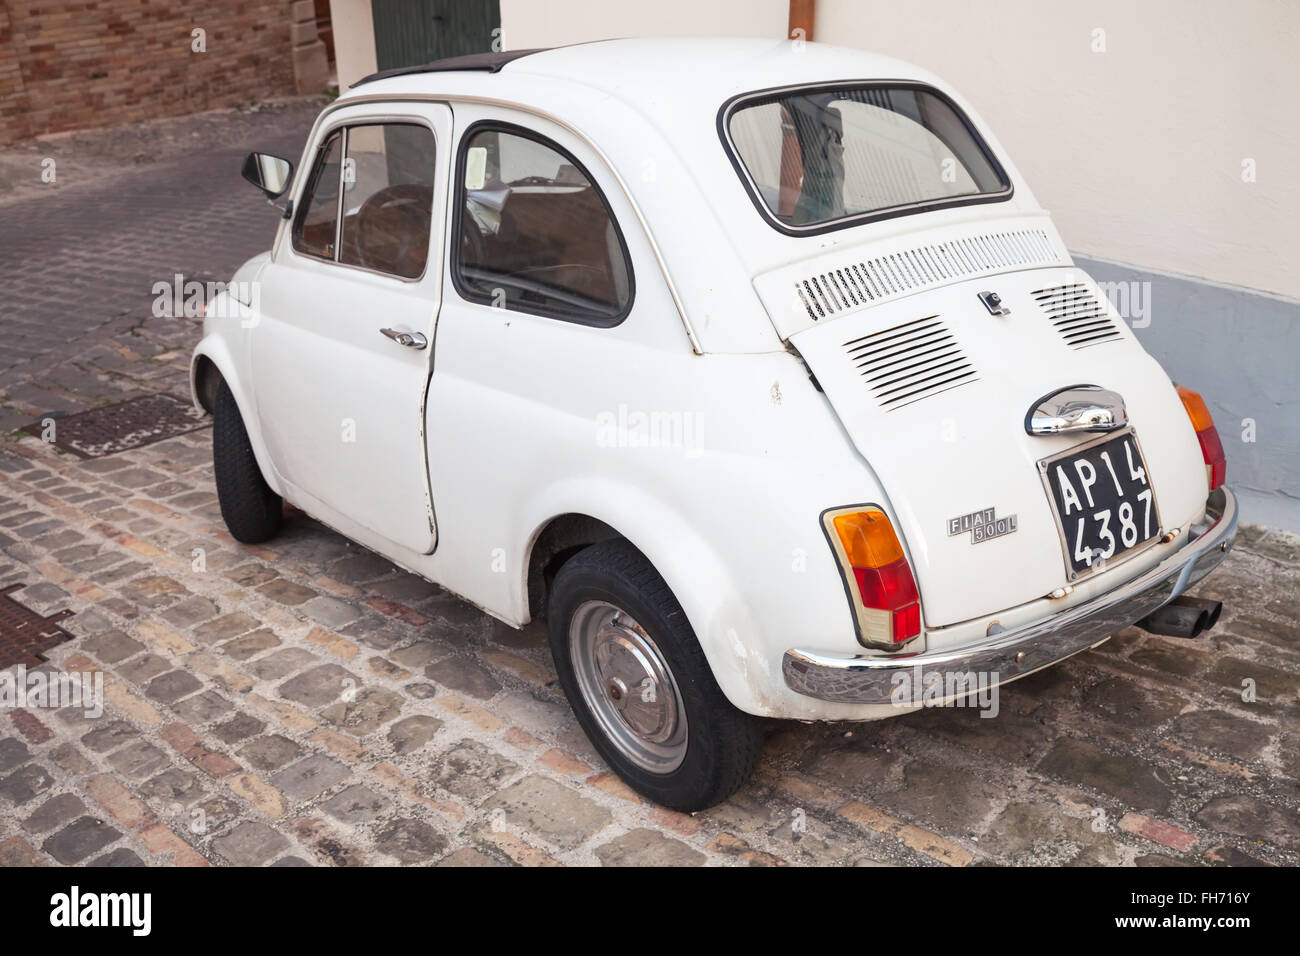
[{"x": 821, "y": 158}]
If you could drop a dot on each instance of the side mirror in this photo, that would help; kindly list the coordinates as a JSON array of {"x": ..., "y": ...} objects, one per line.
[{"x": 271, "y": 174}]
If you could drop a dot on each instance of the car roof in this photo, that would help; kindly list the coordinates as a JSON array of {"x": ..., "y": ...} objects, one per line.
[
  {"x": 644, "y": 72},
  {"x": 472, "y": 62},
  {"x": 650, "y": 108}
]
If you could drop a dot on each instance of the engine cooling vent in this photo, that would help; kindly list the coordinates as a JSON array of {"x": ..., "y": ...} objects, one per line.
[
  {"x": 909, "y": 362},
  {"x": 1075, "y": 313},
  {"x": 885, "y": 277}
]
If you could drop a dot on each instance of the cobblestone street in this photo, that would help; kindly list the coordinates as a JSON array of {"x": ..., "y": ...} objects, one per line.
[
  {"x": 225, "y": 739},
  {"x": 129, "y": 207}
]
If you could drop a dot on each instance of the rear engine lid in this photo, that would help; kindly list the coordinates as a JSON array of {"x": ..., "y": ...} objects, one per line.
[{"x": 933, "y": 388}]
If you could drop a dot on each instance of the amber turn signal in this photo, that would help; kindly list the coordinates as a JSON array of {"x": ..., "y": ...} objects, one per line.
[
  {"x": 1196, "y": 410},
  {"x": 868, "y": 538}
]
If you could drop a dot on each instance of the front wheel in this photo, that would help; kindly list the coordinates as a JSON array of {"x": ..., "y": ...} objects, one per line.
[
  {"x": 640, "y": 685},
  {"x": 251, "y": 510}
]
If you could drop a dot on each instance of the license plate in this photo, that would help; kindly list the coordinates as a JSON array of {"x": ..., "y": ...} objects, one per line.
[{"x": 1104, "y": 503}]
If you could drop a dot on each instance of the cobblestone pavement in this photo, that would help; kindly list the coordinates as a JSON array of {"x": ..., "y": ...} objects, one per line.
[
  {"x": 225, "y": 738},
  {"x": 128, "y": 207}
]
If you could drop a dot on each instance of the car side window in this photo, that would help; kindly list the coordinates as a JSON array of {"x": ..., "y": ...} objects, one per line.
[
  {"x": 386, "y": 171},
  {"x": 387, "y": 198},
  {"x": 536, "y": 234},
  {"x": 316, "y": 224}
]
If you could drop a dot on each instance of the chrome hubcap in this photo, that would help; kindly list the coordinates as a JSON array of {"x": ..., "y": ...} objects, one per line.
[{"x": 627, "y": 685}]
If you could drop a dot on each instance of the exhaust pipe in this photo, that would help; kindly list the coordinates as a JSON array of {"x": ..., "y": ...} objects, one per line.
[
  {"x": 1212, "y": 610},
  {"x": 1183, "y": 617}
]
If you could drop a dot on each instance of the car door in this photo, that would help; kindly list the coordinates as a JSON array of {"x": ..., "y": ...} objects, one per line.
[{"x": 343, "y": 351}]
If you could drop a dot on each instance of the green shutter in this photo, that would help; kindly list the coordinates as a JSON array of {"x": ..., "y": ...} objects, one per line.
[{"x": 412, "y": 32}]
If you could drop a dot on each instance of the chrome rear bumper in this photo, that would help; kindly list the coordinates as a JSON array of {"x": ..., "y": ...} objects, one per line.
[{"x": 1023, "y": 650}]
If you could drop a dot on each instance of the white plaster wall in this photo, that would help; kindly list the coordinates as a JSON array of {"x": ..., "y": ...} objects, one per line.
[
  {"x": 533, "y": 23},
  {"x": 1137, "y": 150},
  {"x": 354, "y": 40}
]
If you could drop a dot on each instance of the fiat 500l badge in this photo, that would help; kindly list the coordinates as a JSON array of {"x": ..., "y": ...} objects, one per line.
[{"x": 983, "y": 525}]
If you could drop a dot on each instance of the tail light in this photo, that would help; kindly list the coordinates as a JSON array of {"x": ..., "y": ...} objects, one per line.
[
  {"x": 877, "y": 575},
  {"x": 1216, "y": 465}
]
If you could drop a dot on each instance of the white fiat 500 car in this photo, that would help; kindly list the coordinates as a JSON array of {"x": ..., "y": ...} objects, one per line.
[{"x": 757, "y": 371}]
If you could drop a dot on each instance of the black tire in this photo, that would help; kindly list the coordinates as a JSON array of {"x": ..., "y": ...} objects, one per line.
[
  {"x": 722, "y": 743},
  {"x": 251, "y": 510}
]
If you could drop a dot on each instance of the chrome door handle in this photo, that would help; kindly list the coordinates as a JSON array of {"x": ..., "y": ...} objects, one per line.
[{"x": 412, "y": 340}]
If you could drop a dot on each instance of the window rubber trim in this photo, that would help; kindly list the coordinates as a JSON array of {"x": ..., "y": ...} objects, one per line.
[
  {"x": 775, "y": 94},
  {"x": 592, "y": 320}
]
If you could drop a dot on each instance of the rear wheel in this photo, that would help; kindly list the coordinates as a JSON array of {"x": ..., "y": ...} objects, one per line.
[
  {"x": 251, "y": 510},
  {"x": 640, "y": 685}
]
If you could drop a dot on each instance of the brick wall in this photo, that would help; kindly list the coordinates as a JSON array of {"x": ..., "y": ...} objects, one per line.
[{"x": 67, "y": 65}]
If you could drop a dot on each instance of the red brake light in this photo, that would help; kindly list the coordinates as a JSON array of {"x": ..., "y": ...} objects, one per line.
[
  {"x": 907, "y": 623},
  {"x": 1216, "y": 463},
  {"x": 889, "y": 588}
]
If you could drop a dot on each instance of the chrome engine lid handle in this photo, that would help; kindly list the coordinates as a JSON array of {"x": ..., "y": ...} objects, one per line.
[{"x": 1078, "y": 408}]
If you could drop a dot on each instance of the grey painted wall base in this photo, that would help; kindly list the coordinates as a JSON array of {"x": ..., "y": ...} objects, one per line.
[{"x": 1241, "y": 350}]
